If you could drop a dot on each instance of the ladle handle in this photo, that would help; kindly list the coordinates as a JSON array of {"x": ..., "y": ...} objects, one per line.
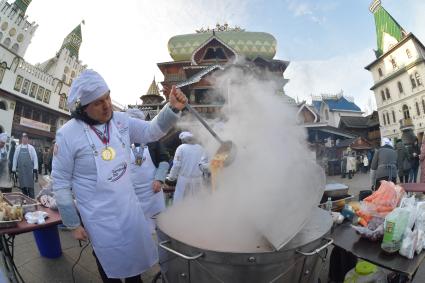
[{"x": 196, "y": 114}]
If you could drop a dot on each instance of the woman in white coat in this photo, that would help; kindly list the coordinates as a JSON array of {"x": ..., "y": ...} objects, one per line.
[
  {"x": 189, "y": 159},
  {"x": 149, "y": 167},
  {"x": 92, "y": 157}
]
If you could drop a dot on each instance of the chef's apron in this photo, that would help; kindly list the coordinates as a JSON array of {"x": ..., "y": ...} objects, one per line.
[
  {"x": 143, "y": 176},
  {"x": 187, "y": 186},
  {"x": 25, "y": 168},
  {"x": 113, "y": 217}
]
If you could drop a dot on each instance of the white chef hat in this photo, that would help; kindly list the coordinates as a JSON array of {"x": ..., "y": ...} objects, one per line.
[
  {"x": 86, "y": 88},
  {"x": 135, "y": 113},
  {"x": 185, "y": 135},
  {"x": 3, "y": 137},
  {"x": 386, "y": 141}
]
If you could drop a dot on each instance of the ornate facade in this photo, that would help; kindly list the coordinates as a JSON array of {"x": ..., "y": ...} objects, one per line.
[{"x": 33, "y": 97}]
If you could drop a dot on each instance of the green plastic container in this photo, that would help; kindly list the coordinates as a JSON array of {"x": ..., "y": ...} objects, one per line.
[{"x": 365, "y": 272}]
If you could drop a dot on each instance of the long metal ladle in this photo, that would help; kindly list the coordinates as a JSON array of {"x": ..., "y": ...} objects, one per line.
[{"x": 226, "y": 147}]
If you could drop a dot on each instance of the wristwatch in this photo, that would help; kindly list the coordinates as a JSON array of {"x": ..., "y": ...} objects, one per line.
[{"x": 175, "y": 110}]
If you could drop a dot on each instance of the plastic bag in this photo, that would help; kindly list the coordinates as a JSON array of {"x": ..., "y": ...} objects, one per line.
[
  {"x": 420, "y": 242},
  {"x": 408, "y": 245},
  {"x": 36, "y": 217},
  {"x": 394, "y": 228},
  {"x": 383, "y": 201},
  {"x": 372, "y": 235},
  {"x": 46, "y": 196}
]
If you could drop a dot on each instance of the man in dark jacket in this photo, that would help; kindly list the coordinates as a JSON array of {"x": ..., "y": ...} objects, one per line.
[
  {"x": 403, "y": 161},
  {"x": 413, "y": 175},
  {"x": 384, "y": 164}
]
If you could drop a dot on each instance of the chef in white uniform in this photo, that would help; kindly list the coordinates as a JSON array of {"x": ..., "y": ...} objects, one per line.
[
  {"x": 5, "y": 180},
  {"x": 92, "y": 156},
  {"x": 189, "y": 159},
  {"x": 149, "y": 167}
]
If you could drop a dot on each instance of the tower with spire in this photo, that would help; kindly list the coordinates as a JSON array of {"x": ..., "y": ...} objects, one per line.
[
  {"x": 15, "y": 31},
  {"x": 66, "y": 64},
  {"x": 152, "y": 101},
  {"x": 398, "y": 73}
]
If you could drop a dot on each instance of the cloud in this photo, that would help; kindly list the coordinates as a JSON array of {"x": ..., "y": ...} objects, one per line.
[
  {"x": 124, "y": 42},
  {"x": 345, "y": 73},
  {"x": 314, "y": 10}
]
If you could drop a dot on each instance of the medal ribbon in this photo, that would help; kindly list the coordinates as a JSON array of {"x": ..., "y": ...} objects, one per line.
[{"x": 104, "y": 137}]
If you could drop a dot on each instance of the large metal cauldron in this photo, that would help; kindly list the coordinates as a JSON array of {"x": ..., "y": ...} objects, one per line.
[{"x": 295, "y": 262}]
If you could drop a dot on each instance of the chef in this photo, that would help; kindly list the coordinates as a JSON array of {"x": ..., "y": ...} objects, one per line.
[
  {"x": 92, "y": 156},
  {"x": 25, "y": 162},
  {"x": 149, "y": 167},
  {"x": 189, "y": 159}
]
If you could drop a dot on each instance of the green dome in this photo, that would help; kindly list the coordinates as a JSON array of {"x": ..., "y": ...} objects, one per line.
[{"x": 249, "y": 44}]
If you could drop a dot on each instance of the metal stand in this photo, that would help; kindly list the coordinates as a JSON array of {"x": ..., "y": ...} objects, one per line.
[{"x": 7, "y": 251}]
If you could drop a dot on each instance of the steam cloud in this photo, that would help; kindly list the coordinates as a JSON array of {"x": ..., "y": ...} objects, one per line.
[{"x": 268, "y": 193}]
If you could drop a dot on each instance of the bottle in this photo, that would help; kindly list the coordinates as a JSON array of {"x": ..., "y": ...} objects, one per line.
[{"x": 328, "y": 205}]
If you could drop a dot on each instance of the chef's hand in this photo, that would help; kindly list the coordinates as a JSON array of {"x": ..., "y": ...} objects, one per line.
[
  {"x": 80, "y": 233},
  {"x": 157, "y": 185},
  {"x": 177, "y": 98}
]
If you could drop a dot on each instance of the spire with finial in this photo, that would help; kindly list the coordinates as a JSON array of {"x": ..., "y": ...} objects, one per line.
[
  {"x": 152, "y": 96},
  {"x": 73, "y": 40},
  {"x": 153, "y": 88},
  {"x": 22, "y": 5},
  {"x": 388, "y": 31}
]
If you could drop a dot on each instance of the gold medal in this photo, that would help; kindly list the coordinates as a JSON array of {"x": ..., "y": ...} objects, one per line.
[{"x": 108, "y": 153}]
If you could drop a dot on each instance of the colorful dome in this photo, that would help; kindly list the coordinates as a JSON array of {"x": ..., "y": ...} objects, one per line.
[{"x": 248, "y": 44}]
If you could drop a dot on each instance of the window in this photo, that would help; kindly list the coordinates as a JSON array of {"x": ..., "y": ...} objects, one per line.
[
  {"x": 423, "y": 105},
  {"x": 384, "y": 118},
  {"x": 380, "y": 72},
  {"x": 406, "y": 113},
  {"x": 215, "y": 53},
  {"x": 409, "y": 54},
  {"x": 418, "y": 79},
  {"x": 400, "y": 87},
  {"x": 26, "y": 86},
  {"x": 2, "y": 71},
  {"x": 412, "y": 80},
  {"x": 6, "y": 42},
  {"x": 15, "y": 48},
  {"x": 326, "y": 114},
  {"x": 418, "y": 111},
  {"x": 3, "y": 105},
  {"x": 36, "y": 115},
  {"x": 387, "y": 91},
  {"x": 18, "y": 83},
  {"x": 393, "y": 62},
  {"x": 40, "y": 93},
  {"x": 46, "y": 98},
  {"x": 27, "y": 112},
  {"x": 388, "y": 118},
  {"x": 383, "y": 95},
  {"x": 393, "y": 116},
  {"x": 62, "y": 101},
  {"x": 33, "y": 89}
]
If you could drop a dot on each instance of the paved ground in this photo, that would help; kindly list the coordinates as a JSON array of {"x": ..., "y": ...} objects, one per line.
[{"x": 35, "y": 268}]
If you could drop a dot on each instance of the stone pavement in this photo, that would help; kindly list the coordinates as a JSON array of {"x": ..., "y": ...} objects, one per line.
[{"x": 35, "y": 268}]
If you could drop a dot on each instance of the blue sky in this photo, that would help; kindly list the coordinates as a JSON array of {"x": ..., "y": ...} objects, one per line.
[{"x": 329, "y": 42}]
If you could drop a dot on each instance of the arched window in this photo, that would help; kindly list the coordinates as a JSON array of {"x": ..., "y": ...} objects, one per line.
[
  {"x": 406, "y": 113},
  {"x": 380, "y": 72},
  {"x": 418, "y": 79},
  {"x": 3, "y": 105},
  {"x": 387, "y": 91},
  {"x": 423, "y": 105},
  {"x": 388, "y": 118},
  {"x": 400, "y": 87},
  {"x": 384, "y": 118},
  {"x": 412, "y": 80},
  {"x": 326, "y": 114},
  {"x": 393, "y": 116},
  {"x": 418, "y": 111},
  {"x": 6, "y": 42},
  {"x": 215, "y": 53},
  {"x": 393, "y": 62},
  {"x": 15, "y": 48},
  {"x": 383, "y": 95},
  {"x": 409, "y": 54}
]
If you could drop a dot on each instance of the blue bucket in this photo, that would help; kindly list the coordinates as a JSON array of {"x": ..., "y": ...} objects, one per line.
[{"x": 48, "y": 242}]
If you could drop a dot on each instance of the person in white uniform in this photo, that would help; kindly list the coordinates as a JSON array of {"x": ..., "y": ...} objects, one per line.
[
  {"x": 5, "y": 180},
  {"x": 92, "y": 156},
  {"x": 25, "y": 162},
  {"x": 149, "y": 167},
  {"x": 189, "y": 159}
]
